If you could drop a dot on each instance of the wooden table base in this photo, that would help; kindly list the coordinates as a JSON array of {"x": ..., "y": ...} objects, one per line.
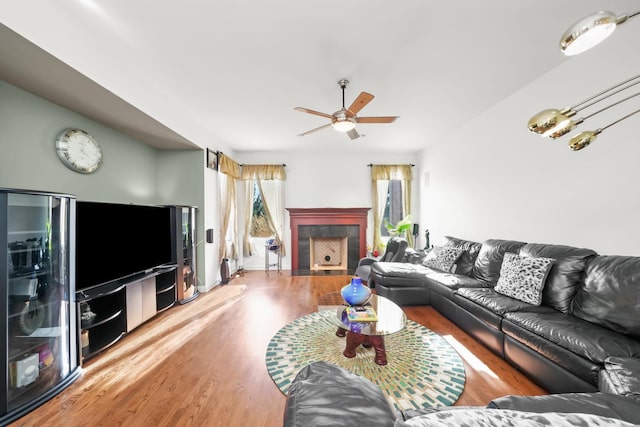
[{"x": 355, "y": 339}]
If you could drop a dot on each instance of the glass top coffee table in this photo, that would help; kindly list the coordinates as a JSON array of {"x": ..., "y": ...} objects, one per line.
[{"x": 391, "y": 319}]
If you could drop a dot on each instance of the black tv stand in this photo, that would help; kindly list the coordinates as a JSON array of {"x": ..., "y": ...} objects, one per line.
[{"x": 121, "y": 306}]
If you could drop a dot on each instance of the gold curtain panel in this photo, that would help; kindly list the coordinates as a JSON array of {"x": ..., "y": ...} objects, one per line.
[{"x": 266, "y": 172}]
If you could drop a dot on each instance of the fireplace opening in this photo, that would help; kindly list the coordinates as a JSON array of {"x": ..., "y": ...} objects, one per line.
[{"x": 328, "y": 253}]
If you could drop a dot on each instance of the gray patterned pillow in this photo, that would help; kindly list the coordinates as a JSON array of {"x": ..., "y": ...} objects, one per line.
[
  {"x": 523, "y": 277},
  {"x": 442, "y": 258}
]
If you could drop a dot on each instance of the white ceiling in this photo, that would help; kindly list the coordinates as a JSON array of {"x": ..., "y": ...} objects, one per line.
[{"x": 178, "y": 74}]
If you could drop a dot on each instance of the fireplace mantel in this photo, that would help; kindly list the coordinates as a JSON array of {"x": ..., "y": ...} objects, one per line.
[{"x": 327, "y": 216}]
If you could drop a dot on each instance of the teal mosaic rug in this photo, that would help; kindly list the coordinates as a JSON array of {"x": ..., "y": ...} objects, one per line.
[{"x": 423, "y": 370}]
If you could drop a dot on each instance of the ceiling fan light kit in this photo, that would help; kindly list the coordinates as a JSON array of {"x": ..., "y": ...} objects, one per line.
[
  {"x": 344, "y": 125},
  {"x": 345, "y": 119}
]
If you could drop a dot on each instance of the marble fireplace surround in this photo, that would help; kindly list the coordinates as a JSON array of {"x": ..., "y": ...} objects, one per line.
[{"x": 327, "y": 222}]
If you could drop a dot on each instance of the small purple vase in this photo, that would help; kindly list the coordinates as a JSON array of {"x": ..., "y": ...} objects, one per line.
[{"x": 355, "y": 293}]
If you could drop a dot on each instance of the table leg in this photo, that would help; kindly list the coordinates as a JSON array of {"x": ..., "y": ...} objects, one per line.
[
  {"x": 378, "y": 345},
  {"x": 341, "y": 332},
  {"x": 353, "y": 341},
  {"x": 377, "y": 342}
]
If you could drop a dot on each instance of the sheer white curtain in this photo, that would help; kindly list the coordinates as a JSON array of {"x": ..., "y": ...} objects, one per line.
[
  {"x": 247, "y": 247},
  {"x": 229, "y": 173},
  {"x": 273, "y": 198}
]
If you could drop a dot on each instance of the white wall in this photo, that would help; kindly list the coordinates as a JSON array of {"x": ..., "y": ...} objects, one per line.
[
  {"x": 327, "y": 180},
  {"x": 492, "y": 178}
]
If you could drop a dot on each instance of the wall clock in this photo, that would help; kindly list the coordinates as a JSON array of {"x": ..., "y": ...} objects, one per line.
[{"x": 79, "y": 151}]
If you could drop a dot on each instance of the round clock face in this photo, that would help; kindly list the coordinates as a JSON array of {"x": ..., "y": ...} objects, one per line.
[{"x": 79, "y": 151}]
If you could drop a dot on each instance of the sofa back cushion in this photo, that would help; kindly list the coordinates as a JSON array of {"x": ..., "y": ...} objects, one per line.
[
  {"x": 609, "y": 294},
  {"x": 395, "y": 250},
  {"x": 489, "y": 260},
  {"x": 414, "y": 256},
  {"x": 464, "y": 264},
  {"x": 565, "y": 273}
]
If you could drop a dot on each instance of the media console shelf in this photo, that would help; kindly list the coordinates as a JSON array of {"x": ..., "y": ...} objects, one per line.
[
  {"x": 165, "y": 290},
  {"x": 103, "y": 320},
  {"x": 108, "y": 312}
]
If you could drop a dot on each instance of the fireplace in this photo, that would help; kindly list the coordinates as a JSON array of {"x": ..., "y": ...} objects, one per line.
[{"x": 337, "y": 233}]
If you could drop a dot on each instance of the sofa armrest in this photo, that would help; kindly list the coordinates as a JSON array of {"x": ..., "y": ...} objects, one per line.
[
  {"x": 367, "y": 260},
  {"x": 323, "y": 394},
  {"x": 621, "y": 375}
]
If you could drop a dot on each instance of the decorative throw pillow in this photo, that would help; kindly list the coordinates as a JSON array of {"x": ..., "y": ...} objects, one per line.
[
  {"x": 442, "y": 258},
  {"x": 523, "y": 277}
]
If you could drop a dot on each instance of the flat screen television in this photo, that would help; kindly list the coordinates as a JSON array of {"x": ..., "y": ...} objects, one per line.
[{"x": 117, "y": 241}]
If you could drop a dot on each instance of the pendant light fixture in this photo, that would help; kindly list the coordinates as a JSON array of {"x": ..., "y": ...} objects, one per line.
[
  {"x": 554, "y": 123},
  {"x": 581, "y": 36},
  {"x": 591, "y": 30},
  {"x": 585, "y": 138}
]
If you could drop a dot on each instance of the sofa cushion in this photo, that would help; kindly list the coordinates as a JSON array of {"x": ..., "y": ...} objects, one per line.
[
  {"x": 610, "y": 294},
  {"x": 442, "y": 258},
  {"x": 323, "y": 394},
  {"x": 565, "y": 273},
  {"x": 557, "y": 369},
  {"x": 487, "y": 305},
  {"x": 585, "y": 339},
  {"x": 447, "y": 284},
  {"x": 489, "y": 261},
  {"x": 497, "y": 303},
  {"x": 399, "y": 274},
  {"x": 621, "y": 375},
  {"x": 465, "y": 263},
  {"x": 523, "y": 277},
  {"x": 603, "y": 404}
]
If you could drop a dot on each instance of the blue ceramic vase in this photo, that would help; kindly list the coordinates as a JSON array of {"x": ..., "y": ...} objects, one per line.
[{"x": 355, "y": 293}]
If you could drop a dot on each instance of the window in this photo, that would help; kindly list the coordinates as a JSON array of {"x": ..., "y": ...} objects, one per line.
[
  {"x": 393, "y": 211},
  {"x": 259, "y": 223},
  {"x": 391, "y": 197}
]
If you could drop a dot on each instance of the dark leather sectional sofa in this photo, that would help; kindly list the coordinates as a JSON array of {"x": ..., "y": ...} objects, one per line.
[{"x": 589, "y": 316}]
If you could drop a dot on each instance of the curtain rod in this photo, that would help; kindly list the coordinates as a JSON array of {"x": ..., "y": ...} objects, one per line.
[
  {"x": 283, "y": 165},
  {"x": 242, "y": 164},
  {"x": 371, "y": 164}
]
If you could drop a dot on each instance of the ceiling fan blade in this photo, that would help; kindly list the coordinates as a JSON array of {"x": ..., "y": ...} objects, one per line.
[
  {"x": 353, "y": 134},
  {"x": 317, "y": 113},
  {"x": 384, "y": 119},
  {"x": 363, "y": 99},
  {"x": 314, "y": 130}
]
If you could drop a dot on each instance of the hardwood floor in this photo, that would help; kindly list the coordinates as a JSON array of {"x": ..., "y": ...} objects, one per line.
[{"x": 202, "y": 363}]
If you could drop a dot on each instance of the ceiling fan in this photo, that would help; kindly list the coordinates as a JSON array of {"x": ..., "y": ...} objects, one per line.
[{"x": 345, "y": 119}]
